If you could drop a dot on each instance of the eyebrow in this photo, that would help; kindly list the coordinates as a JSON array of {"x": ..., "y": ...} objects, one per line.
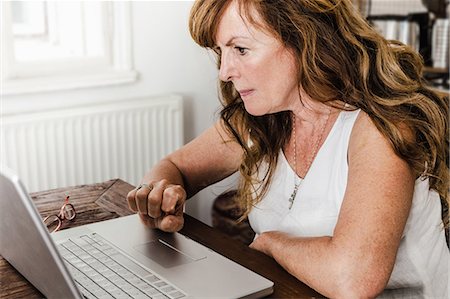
[{"x": 231, "y": 40}]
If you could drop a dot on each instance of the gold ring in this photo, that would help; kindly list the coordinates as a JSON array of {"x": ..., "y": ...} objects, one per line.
[{"x": 150, "y": 187}]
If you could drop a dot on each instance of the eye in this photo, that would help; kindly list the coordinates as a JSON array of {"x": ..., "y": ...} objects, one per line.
[{"x": 241, "y": 51}]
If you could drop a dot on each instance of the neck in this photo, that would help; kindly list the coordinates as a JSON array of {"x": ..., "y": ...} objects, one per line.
[
  {"x": 309, "y": 112},
  {"x": 314, "y": 134},
  {"x": 311, "y": 122}
]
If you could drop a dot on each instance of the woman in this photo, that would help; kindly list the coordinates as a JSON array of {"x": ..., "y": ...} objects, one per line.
[{"x": 341, "y": 148}]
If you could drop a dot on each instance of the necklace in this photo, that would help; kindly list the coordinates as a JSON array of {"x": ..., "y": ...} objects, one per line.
[{"x": 310, "y": 159}]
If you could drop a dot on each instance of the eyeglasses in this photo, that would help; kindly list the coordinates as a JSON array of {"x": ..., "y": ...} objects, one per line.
[{"x": 67, "y": 212}]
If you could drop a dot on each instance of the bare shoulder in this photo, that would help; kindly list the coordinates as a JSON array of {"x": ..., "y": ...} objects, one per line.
[
  {"x": 369, "y": 145},
  {"x": 366, "y": 133},
  {"x": 371, "y": 156}
]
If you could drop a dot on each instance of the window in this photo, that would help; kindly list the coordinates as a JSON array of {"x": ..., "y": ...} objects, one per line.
[{"x": 52, "y": 45}]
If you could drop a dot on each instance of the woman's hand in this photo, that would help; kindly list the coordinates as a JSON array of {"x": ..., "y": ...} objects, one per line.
[{"x": 159, "y": 204}]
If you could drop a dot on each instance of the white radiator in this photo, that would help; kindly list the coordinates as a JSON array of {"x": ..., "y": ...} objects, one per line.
[{"x": 91, "y": 144}]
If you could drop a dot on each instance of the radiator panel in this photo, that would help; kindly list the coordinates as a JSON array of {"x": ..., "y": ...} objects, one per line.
[{"x": 91, "y": 144}]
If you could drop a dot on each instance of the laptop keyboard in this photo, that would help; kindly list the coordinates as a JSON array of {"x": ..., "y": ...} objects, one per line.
[{"x": 100, "y": 271}]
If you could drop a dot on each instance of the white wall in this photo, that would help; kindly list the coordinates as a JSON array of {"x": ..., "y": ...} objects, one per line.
[{"x": 168, "y": 61}]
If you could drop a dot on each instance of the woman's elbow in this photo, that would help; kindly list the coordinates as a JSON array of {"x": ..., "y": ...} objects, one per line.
[
  {"x": 357, "y": 291},
  {"x": 355, "y": 282}
]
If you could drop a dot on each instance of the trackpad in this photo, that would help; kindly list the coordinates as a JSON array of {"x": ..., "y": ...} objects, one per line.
[{"x": 164, "y": 254}]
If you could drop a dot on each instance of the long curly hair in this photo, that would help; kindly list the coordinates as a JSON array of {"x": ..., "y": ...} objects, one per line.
[{"x": 340, "y": 58}]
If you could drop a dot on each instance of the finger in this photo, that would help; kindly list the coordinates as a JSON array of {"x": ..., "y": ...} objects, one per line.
[
  {"x": 179, "y": 209},
  {"x": 174, "y": 196},
  {"x": 155, "y": 198},
  {"x": 171, "y": 223},
  {"x": 132, "y": 200},
  {"x": 143, "y": 190},
  {"x": 147, "y": 220},
  {"x": 141, "y": 199}
]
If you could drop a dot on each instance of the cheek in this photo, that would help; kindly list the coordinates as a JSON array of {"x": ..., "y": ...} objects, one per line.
[
  {"x": 287, "y": 77},
  {"x": 279, "y": 75},
  {"x": 286, "y": 63}
]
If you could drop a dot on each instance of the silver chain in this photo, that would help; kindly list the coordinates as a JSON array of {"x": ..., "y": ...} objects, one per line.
[{"x": 310, "y": 160}]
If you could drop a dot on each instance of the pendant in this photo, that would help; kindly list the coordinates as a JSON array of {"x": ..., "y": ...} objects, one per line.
[{"x": 292, "y": 197}]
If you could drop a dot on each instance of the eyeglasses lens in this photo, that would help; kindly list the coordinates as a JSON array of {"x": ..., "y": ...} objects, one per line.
[
  {"x": 69, "y": 211},
  {"x": 52, "y": 222}
]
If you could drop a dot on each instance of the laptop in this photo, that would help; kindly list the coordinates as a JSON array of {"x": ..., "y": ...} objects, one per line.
[{"x": 118, "y": 258}]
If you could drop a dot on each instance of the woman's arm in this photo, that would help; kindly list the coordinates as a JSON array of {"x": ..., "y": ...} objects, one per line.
[
  {"x": 207, "y": 159},
  {"x": 358, "y": 259}
]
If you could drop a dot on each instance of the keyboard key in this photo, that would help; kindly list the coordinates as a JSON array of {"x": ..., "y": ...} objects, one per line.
[
  {"x": 121, "y": 283},
  {"x": 168, "y": 289},
  {"x": 160, "y": 284},
  {"x": 119, "y": 294},
  {"x": 176, "y": 295},
  {"x": 134, "y": 292},
  {"x": 135, "y": 280},
  {"x": 105, "y": 284},
  {"x": 128, "y": 288},
  {"x": 109, "y": 251},
  {"x": 146, "y": 288},
  {"x": 100, "y": 293},
  {"x": 140, "y": 283},
  {"x": 129, "y": 276},
  {"x": 152, "y": 278},
  {"x": 151, "y": 292}
]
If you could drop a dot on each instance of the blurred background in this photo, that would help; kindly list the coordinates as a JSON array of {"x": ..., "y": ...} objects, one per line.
[
  {"x": 95, "y": 90},
  {"x": 422, "y": 24}
]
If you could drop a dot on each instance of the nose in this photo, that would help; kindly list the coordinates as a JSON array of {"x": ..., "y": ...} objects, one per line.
[{"x": 227, "y": 69}]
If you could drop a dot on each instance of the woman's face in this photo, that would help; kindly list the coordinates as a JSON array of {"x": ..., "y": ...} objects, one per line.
[{"x": 261, "y": 69}]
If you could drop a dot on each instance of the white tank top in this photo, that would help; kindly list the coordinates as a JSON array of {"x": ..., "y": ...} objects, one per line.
[{"x": 421, "y": 268}]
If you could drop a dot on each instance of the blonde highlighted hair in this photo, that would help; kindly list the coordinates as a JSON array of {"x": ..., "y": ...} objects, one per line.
[{"x": 340, "y": 57}]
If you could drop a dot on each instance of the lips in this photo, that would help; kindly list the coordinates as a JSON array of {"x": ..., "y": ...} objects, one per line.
[{"x": 246, "y": 92}]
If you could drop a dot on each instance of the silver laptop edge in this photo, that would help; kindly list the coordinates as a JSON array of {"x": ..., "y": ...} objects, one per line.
[
  {"x": 27, "y": 245},
  {"x": 16, "y": 249}
]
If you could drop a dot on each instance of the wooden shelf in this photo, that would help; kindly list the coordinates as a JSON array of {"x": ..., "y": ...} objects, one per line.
[
  {"x": 437, "y": 77},
  {"x": 436, "y": 70}
]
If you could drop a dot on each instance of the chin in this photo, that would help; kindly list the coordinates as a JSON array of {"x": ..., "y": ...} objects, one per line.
[{"x": 255, "y": 110}]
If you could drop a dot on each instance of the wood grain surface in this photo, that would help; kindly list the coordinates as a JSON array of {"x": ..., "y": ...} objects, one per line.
[{"x": 107, "y": 200}]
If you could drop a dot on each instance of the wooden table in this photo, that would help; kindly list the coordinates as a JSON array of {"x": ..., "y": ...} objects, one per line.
[{"x": 106, "y": 200}]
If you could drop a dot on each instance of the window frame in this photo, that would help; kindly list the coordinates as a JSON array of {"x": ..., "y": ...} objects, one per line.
[{"x": 115, "y": 67}]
